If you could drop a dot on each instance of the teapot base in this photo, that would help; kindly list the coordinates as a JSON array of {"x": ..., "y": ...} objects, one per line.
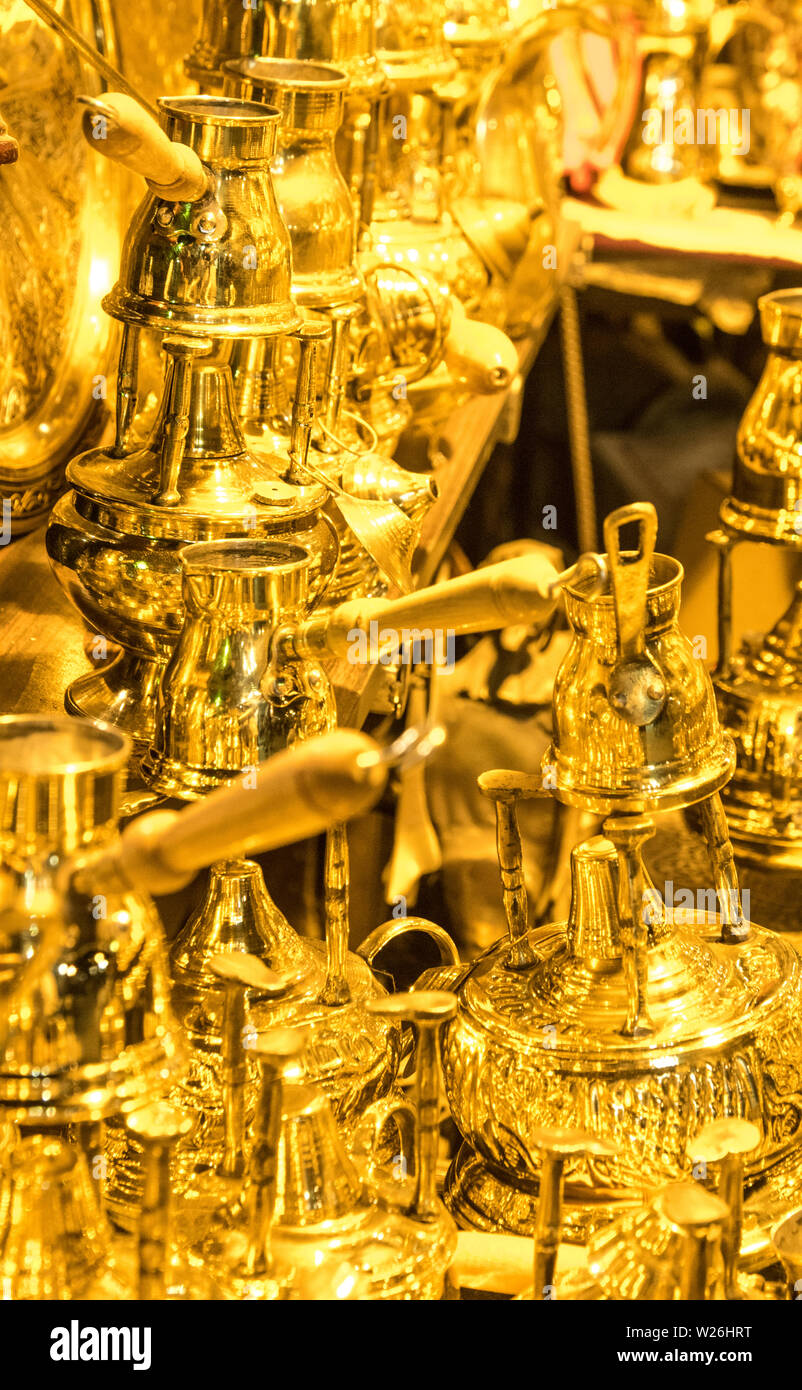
[
  {"x": 122, "y": 694},
  {"x": 480, "y": 1198}
]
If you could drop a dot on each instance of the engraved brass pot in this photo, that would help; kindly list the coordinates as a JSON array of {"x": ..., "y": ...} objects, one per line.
[{"x": 546, "y": 1036}]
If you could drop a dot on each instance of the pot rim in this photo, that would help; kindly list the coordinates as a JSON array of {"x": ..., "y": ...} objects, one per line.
[{"x": 113, "y": 747}]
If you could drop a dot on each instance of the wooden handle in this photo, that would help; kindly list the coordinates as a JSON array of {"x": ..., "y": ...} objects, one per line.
[
  {"x": 478, "y": 354},
  {"x": 511, "y": 592},
  {"x": 298, "y": 793},
  {"x": 116, "y": 126}
]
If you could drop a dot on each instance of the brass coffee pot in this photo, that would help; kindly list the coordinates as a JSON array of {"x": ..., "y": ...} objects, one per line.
[
  {"x": 758, "y": 689},
  {"x": 245, "y": 678},
  {"x": 313, "y": 196},
  {"x": 767, "y": 478},
  {"x": 339, "y": 33},
  {"x": 635, "y": 726},
  {"x": 86, "y": 1026},
  {"x": 313, "y": 1222},
  {"x": 316, "y": 205}
]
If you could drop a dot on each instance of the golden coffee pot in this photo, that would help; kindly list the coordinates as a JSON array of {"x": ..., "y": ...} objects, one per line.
[
  {"x": 316, "y": 205},
  {"x": 85, "y": 1020},
  {"x": 313, "y": 197},
  {"x": 311, "y": 1222},
  {"x": 758, "y": 688},
  {"x": 216, "y": 264},
  {"x": 635, "y": 726},
  {"x": 337, "y": 33},
  {"x": 245, "y": 678},
  {"x": 617, "y": 1014},
  {"x": 766, "y": 497}
]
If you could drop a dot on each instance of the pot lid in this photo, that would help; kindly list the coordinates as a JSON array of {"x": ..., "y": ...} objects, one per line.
[{"x": 573, "y": 1001}]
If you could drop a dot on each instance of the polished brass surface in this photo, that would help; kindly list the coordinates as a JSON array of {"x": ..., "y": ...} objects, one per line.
[
  {"x": 765, "y": 500},
  {"x": 787, "y": 1241},
  {"x": 220, "y": 264},
  {"x": 598, "y": 1023},
  {"x": 308, "y": 1223},
  {"x": 85, "y": 1016},
  {"x": 669, "y": 1250},
  {"x": 758, "y": 688},
  {"x": 55, "y": 1239},
  {"x": 602, "y": 759},
  {"x": 313, "y": 196},
  {"x": 64, "y": 217},
  {"x": 339, "y": 32},
  {"x": 244, "y": 681},
  {"x": 721, "y": 1145},
  {"x": 235, "y": 594},
  {"x": 101, "y": 538},
  {"x": 338, "y": 233}
]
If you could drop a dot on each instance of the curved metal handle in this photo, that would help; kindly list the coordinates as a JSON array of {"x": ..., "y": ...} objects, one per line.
[
  {"x": 401, "y": 926},
  {"x": 442, "y": 319},
  {"x": 360, "y": 425},
  {"x": 374, "y": 1121},
  {"x": 629, "y": 574}
]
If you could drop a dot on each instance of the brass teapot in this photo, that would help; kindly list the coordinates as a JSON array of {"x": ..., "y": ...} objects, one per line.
[
  {"x": 635, "y": 724},
  {"x": 313, "y": 1222}
]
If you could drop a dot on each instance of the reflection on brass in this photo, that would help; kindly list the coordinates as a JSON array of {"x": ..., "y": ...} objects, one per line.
[
  {"x": 604, "y": 1023},
  {"x": 624, "y": 1012},
  {"x": 669, "y": 1250},
  {"x": 243, "y": 682},
  {"x": 114, "y": 539},
  {"x": 64, "y": 217},
  {"x": 633, "y": 678},
  {"x": 336, "y": 235},
  {"x": 307, "y": 1224},
  {"x": 85, "y": 1018},
  {"x": 758, "y": 688}
]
